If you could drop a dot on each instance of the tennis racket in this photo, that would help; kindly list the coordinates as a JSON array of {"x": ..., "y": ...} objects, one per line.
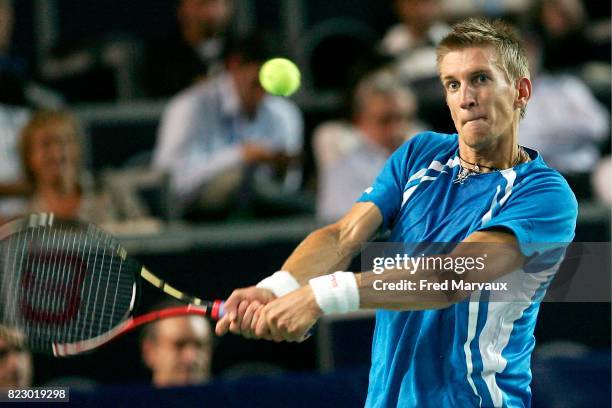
[{"x": 70, "y": 287}]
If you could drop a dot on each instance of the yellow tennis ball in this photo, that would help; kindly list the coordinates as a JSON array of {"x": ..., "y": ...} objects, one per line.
[{"x": 279, "y": 76}]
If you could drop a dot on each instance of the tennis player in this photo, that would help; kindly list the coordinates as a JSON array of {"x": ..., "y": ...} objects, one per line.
[{"x": 439, "y": 348}]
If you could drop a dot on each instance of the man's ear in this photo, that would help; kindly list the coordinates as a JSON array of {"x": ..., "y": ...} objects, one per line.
[{"x": 523, "y": 86}]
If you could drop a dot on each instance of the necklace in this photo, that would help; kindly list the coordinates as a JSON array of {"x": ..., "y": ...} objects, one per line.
[{"x": 465, "y": 173}]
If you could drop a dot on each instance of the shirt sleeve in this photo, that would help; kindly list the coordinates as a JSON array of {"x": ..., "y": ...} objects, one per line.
[{"x": 542, "y": 215}]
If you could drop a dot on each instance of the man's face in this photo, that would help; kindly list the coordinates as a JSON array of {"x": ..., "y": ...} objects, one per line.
[
  {"x": 246, "y": 81},
  {"x": 480, "y": 97},
  {"x": 15, "y": 366},
  {"x": 180, "y": 351},
  {"x": 384, "y": 119},
  {"x": 210, "y": 17}
]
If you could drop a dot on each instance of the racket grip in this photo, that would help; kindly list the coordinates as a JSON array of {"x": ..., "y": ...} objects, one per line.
[{"x": 218, "y": 310}]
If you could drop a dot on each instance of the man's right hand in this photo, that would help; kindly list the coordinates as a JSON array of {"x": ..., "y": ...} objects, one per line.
[{"x": 240, "y": 308}]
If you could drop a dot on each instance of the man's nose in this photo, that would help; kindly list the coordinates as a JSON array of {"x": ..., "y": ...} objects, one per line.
[
  {"x": 189, "y": 354},
  {"x": 468, "y": 99}
]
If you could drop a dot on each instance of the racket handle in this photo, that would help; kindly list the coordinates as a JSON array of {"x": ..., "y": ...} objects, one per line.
[{"x": 217, "y": 310}]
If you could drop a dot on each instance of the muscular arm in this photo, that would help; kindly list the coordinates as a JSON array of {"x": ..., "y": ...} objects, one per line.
[
  {"x": 324, "y": 251},
  {"x": 503, "y": 257},
  {"x": 331, "y": 248},
  {"x": 291, "y": 316}
]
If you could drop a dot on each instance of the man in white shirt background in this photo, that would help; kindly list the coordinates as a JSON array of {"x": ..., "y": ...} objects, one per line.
[{"x": 223, "y": 136}]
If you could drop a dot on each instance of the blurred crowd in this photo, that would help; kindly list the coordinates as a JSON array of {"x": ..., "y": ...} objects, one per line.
[{"x": 223, "y": 149}]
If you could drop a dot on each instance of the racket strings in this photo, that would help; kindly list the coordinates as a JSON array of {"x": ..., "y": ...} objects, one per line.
[{"x": 52, "y": 263}]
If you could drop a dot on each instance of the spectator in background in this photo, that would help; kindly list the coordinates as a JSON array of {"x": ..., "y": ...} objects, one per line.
[
  {"x": 221, "y": 134},
  {"x": 564, "y": 121},
  {"x": 13, "y": 76},
  {"x": 600, "y": 181},
  {"x": 13, "y": 115},
  {"x": 16, "y": 85},
  {"x": 17, "y": 93},
  {"x": 412, "y": 42},
  {"x": 350, "y": 155},
  {"x": 192, "y": 53},
  {"x": 564, "y": 26},
  {"x": 15, "y": 360},
  {"x": 13, "y": 185},
  {"x": 505, "y": 9},
  {"x": 178, "y": 350},
  {"x": 50, "y": 150}
]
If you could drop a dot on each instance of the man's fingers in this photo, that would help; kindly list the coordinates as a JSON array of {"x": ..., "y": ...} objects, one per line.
[
  {"x": 250, "y": 294},
  {"x": 245, "y": 325},
  {"x": 231, "y": 304},
  {"x": 222, "y": 326},
  {"x": 262, "y": 332},
  {"x": 242, "y": 307},
  {"x": 233, "y": 327},
  {"x": 261, "y": 328},
  {"x": 255, "y": 320},
  {"x": 275, "y": 331}
]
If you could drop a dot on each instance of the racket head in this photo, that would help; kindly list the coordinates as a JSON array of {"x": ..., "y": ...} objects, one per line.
[{"x": 63, "y": 281}]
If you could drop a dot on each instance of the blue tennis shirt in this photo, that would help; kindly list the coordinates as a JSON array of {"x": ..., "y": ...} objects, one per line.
[{"x": 476, "y": 352}]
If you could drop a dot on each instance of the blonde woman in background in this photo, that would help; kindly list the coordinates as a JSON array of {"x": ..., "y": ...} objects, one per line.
[{"x": 50, "y": 152}]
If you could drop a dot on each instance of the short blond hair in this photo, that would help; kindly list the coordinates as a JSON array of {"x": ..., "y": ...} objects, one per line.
[{"x": 512, "y": 58}]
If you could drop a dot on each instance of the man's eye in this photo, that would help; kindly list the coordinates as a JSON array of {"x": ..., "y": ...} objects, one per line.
[
  {"x": 482, "y": 78},
  {"x": 453, "y": 86}
]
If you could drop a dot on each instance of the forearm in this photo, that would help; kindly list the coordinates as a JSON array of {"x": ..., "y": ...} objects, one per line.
[
  {"x": 331, "y": 248},
  {"x": 322, "y": 252},
  {"x": 419, "y": 283},
  {"x": 399, "y": 290}
]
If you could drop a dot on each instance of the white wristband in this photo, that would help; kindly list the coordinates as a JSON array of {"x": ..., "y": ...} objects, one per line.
[
  {"x": 336, "y": 293},
  {"x": 280, "y": 283}
]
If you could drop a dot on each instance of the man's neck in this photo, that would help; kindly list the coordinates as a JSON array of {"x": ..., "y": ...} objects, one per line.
[{"x": 501, "y": 153}]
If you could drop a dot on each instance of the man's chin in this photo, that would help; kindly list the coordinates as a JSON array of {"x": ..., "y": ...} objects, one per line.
[
  {"x": 189, "y": 378},
  {"x": 476, "y": 138}
]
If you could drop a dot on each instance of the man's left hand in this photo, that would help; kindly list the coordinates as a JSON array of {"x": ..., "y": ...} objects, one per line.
[{"x": 288, "y": 318}]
